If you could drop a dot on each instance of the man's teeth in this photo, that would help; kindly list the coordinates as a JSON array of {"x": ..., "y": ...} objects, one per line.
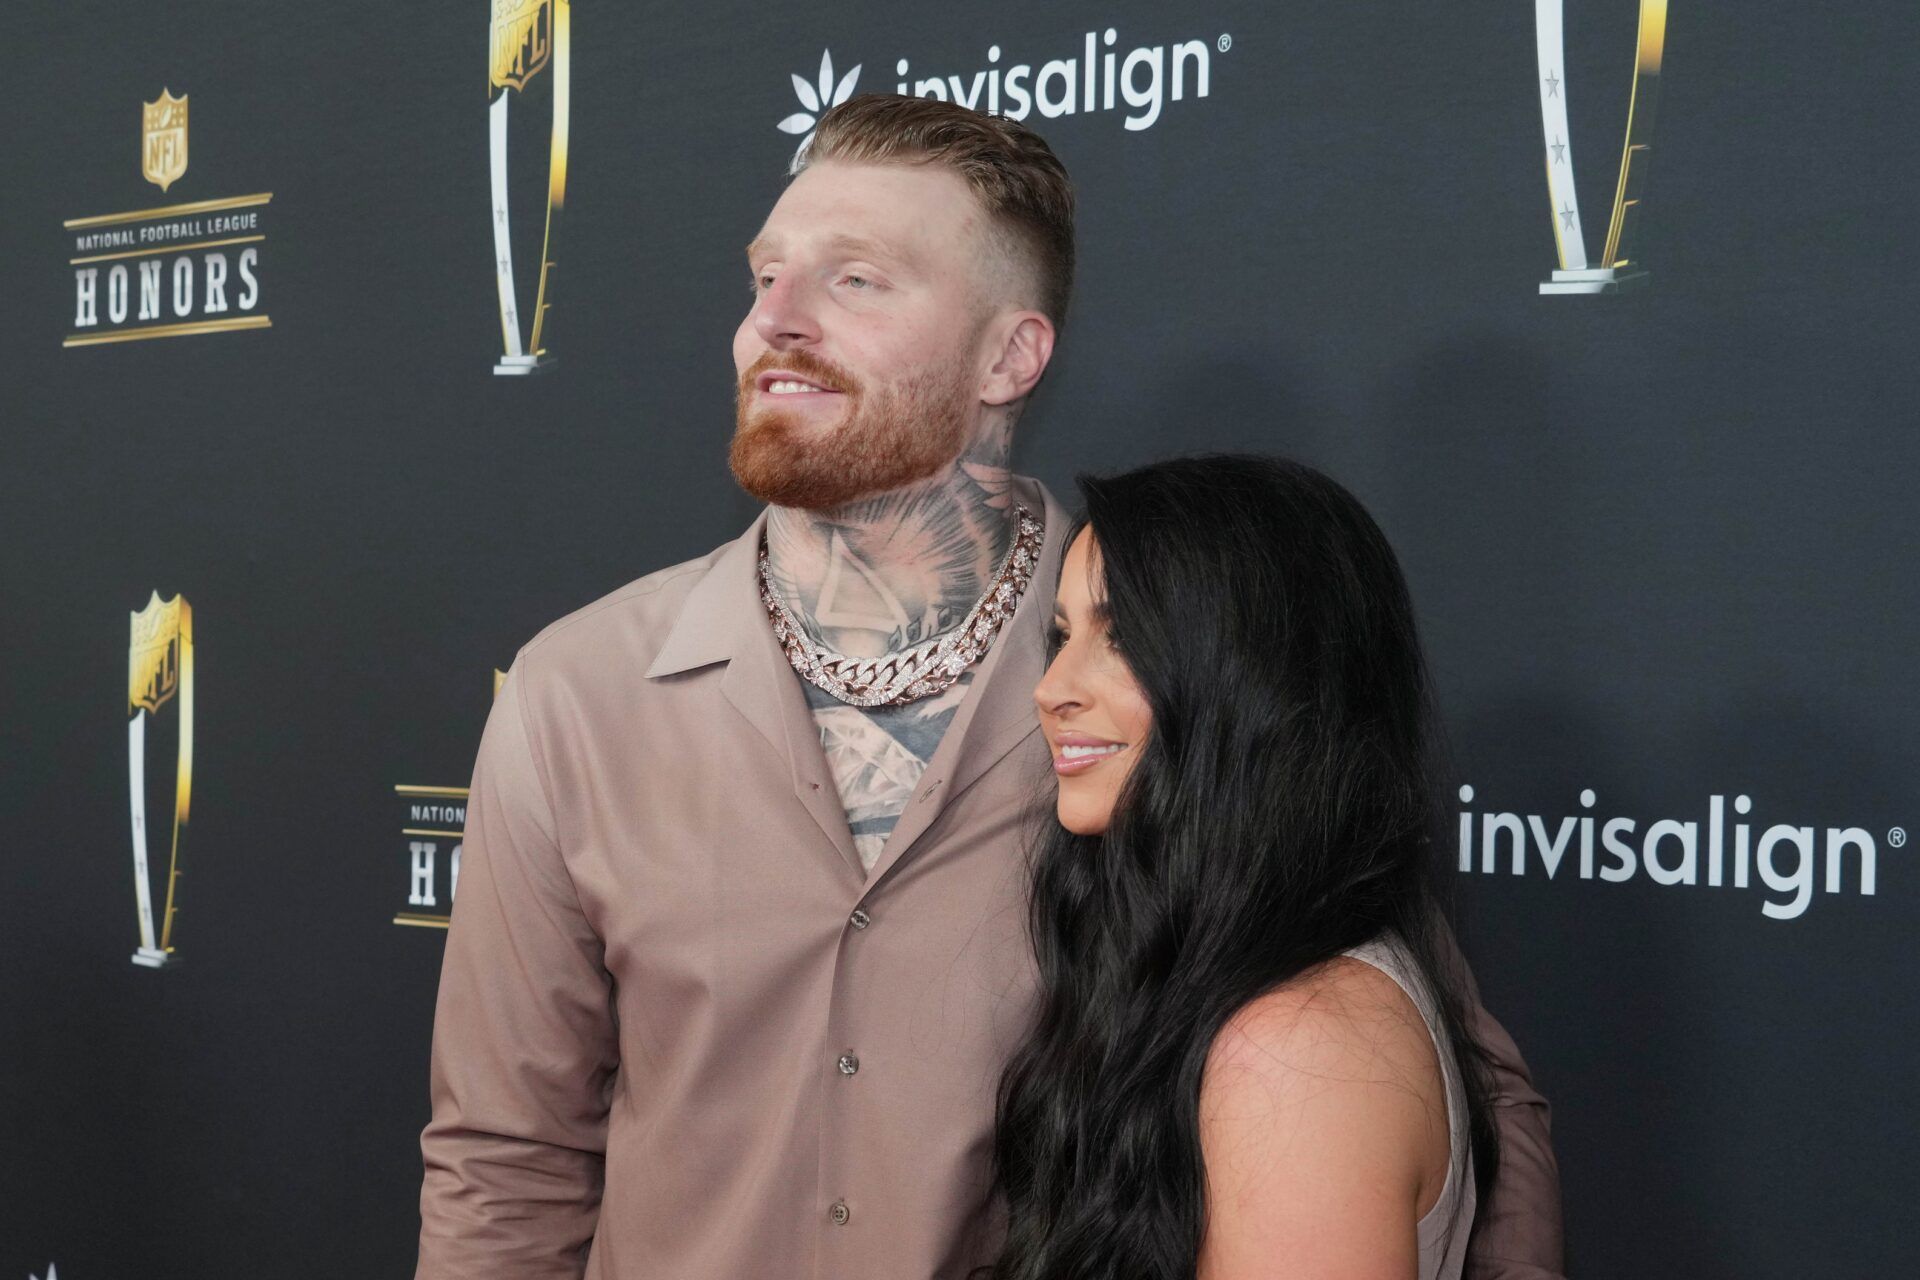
[
  {"x": 1081, "y": 753},
  {"x": 789, "y": 387}
]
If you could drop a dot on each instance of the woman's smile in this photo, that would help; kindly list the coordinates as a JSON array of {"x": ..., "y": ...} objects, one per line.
[{"x": 1075, "y": 753}]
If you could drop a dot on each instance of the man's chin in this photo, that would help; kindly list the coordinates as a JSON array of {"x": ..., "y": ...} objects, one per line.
[
  {"x": 783, "y": 423},
  {"x": 779, "y": 460},
  {"x": 812, "y": 461}
]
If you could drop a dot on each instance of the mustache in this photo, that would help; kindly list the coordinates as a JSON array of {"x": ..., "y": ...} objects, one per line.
[{"x": 804, "y": 363}]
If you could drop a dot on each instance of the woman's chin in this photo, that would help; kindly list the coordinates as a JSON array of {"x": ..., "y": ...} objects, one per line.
[{"x": 1082, "y": 820}]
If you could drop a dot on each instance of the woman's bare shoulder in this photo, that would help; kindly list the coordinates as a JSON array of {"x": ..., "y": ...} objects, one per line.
[
  {"x": 1323, "y": 1122},
  {"x": 1344, "y": 1016}
]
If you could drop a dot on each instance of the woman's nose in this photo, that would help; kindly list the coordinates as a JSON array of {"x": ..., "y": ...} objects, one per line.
[{"x": 1057, "y": 693}]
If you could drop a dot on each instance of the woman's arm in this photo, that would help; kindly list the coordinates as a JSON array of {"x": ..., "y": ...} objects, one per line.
[{"x": 1323, "y": 1125}]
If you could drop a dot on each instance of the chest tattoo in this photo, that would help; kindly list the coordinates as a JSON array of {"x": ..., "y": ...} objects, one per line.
[{"x": 877, "y": 754}]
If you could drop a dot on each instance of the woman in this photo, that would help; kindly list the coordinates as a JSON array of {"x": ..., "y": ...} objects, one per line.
[{"x": 1249, "y": 1062}]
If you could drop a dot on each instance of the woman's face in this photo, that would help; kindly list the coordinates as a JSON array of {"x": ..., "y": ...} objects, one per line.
[{"x": 1091, "y": 710}]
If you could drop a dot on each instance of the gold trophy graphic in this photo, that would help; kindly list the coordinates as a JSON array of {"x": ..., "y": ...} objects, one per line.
[
  {"x": 1615, "y": 268},
  {"x": 527, "y": 36},
  {"x": 159, "y": 693}
]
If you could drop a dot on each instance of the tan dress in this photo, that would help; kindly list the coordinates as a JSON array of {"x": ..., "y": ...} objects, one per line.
[{"x": 1444, "y": 1230}]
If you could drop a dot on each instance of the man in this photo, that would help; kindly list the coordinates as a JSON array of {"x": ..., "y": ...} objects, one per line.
[{"x": 739, "y": 949}]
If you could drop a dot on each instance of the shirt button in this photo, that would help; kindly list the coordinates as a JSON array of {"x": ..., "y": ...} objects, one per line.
[
  {"x": 839, "y": 1213},
  {"x": 848, "y": 1064},
  {"x": 861, "y": 919}
]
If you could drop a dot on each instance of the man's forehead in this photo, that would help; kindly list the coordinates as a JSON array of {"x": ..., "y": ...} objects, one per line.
[
  {"x": 772, "y": 241},
  {"x": 898, "y": 211}
]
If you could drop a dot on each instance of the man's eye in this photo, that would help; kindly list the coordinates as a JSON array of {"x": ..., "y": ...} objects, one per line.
[{"x": 860, "y": 282}]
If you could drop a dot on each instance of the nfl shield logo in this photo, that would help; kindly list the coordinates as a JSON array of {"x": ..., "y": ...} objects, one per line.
[
  {"x": 521, "y": 41},
  {"x": 153, "y": 654},
  {"x": 163, "y": 139}
]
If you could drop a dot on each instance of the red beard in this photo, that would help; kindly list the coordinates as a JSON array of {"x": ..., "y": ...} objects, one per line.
[{"x": 881, "y": 441}]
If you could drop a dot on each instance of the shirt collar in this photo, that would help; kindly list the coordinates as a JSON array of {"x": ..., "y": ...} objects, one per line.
[{"x": 723, "y": 610}]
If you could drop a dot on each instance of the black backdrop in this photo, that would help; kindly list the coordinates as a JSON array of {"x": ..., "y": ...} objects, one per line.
[{"x": 1663, "y": 542}]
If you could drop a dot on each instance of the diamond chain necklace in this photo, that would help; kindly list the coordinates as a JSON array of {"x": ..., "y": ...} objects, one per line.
[{"x": 894, "y": 679}]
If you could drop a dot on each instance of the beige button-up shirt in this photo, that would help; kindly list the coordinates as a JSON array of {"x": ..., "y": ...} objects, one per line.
[{"x": 681, "y": 1031}]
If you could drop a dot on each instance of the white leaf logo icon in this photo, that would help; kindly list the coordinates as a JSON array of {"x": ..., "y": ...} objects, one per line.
[
  {"x": 845, "y": 90},
  {"x": 808, "y": 98},
  {"x": 817, "y": 99}
]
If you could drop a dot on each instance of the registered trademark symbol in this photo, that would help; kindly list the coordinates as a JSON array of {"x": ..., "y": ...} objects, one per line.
[
  {"x": 1226, "y": 43},
  {"x": 1897, "y": 837}
]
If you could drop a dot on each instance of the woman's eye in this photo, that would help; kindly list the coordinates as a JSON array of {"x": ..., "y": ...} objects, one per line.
[{"x": 1055, "y": 639}]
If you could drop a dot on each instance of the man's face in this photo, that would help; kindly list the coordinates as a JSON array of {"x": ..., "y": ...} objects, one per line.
[{"x": 859, "y": 363}]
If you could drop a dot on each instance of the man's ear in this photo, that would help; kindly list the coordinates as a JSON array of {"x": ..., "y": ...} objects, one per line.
[{"x": 1021, "y": 343}]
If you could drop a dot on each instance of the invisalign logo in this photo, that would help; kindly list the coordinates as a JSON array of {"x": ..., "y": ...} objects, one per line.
[
  {"x": 1145, "y": 79},
  {"x": 1785, "y": 857},
  {"x": 1141, "y": 82}
]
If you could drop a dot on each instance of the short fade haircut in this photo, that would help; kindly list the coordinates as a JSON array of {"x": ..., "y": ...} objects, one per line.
[{"x": 1010, "y": 169}]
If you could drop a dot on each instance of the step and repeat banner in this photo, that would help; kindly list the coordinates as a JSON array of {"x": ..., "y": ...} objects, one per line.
[{"x": 346, "y": 346}]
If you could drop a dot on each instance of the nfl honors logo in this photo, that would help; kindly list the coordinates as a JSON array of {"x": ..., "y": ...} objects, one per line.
[
  {"x": 187, "y": 267},
  {"x": 163, "y": 139}
]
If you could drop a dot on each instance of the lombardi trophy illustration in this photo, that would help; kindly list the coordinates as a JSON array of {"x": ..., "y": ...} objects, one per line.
[
  {"x": 525, "y": 38},
  {"x": 1616, "y": 268},
  {"x": 159, "y": 697}
]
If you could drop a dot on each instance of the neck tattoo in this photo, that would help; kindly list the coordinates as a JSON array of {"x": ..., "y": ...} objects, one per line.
[{"x": 924, "y": 669}]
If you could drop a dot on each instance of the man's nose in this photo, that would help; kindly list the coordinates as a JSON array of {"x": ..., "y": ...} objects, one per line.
[{"x": 784, "y": 316}]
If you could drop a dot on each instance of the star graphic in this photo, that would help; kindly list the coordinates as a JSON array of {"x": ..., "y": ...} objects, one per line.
[
  {"x": 1553, "y": 86},
  {"x": 503, "y": 266},
  {"x": 499, "y": 215},
  {"x": 1559, "y": 151},
  {"x": 1566, "y": 215}
]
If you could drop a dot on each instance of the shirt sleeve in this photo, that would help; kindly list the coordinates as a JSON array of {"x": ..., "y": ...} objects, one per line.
[
  {"x": 1516, "y": 1229},
  {"x": 524, "y": 1043}
]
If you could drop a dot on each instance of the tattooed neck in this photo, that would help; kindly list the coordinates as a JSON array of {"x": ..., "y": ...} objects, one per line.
[{"x": 892, "y": 570}]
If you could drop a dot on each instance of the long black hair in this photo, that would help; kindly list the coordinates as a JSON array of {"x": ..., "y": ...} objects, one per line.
[{"x": 1284, "y": 808}]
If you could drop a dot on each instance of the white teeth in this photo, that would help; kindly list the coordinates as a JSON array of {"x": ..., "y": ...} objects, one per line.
[
  {"x": 1081, "y": 753},
  {"x": 789, "y": 387}
]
